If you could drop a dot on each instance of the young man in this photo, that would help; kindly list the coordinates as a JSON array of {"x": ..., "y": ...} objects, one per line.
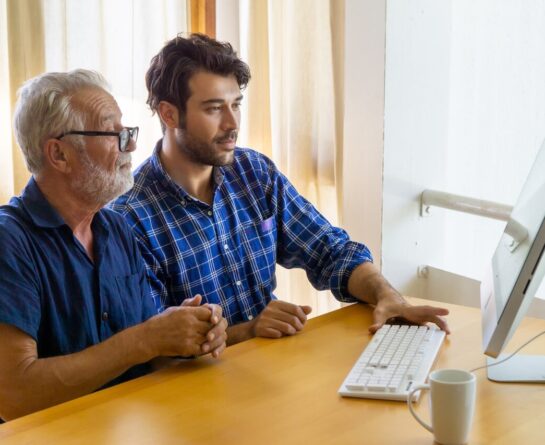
[
  {"x": 75, "y": 309},
  {"x": 214, "y": 219}
]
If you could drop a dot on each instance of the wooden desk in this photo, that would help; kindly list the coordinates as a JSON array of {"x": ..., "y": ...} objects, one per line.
[{"x": 285, "y": 392}]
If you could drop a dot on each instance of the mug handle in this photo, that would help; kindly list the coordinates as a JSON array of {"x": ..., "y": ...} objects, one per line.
[{"x": 409, "y": 402}]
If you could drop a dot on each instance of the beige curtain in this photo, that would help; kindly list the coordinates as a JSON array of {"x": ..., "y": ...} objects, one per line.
[
  {"x": 22, "y": 56},
  {"x": 294, "y": 107}
]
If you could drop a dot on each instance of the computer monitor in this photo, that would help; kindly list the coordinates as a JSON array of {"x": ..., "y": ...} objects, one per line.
[{"x": 514, "y": 276}]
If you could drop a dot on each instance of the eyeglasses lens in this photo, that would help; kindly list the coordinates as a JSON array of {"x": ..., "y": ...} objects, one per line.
[{"x": 124, "y": 137}]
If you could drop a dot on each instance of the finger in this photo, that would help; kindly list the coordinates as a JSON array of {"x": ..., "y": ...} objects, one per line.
[
  {"x": 187, "y": 347},
  {"x": 379, "y": 318},
  {"x": 190, "y": 320},
  {"x": 216, "y": 313},
  {"x": 217, "y": 352},
  {"x": 289, "y": 318},
  {"x": 202, "y": 313},
  {"x": 281, "y": 326},
  {"x": 217, "y": 330},
  {"x": 210, "y": 346},
  {"x": 270, "y": 333},
  {"x": 195, "y": 301},
  {"x": 293, "y": 309},
  {"x": 306, "y": 309},
  {"x": 422, "y": 314},
  {"x": 435, "y": 315},
  {"x": 200, "y": 328},
  {"x": 433, "y": 310},
  {"x": 442, "y": 324},
  {"x": 186, "y": 350},
  {"x": 375, "y": 327}
]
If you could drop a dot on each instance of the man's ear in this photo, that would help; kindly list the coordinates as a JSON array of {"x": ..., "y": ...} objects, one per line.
[
  {"x": 58, "y": 155},
  {"x": 169, "y": 114}
]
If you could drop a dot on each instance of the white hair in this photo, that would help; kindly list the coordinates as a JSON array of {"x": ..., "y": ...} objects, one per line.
[{"x": 44, "y": 110}]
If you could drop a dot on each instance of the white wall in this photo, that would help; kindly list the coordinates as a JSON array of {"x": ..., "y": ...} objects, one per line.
[
  {"x": 418, "y": 35},
  {"x": 365, "y": 23},
  {"x": 465, "y": 113},
  {"x": 497, "y": 115}
]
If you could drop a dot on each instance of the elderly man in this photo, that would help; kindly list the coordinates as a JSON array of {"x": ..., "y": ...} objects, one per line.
[
  {"x": 76, "y": 313},
  {"x": 214, "y": 218}
]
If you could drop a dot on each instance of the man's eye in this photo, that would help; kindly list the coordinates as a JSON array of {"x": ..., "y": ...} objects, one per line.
[
  {"x": 236, "y": 106},
  {"x": 214, "y": 108}
]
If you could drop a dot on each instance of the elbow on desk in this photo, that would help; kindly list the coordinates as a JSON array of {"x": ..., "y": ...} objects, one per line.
[
  {"x": 17, "y": 398},
  {"x": 10, "y": 410}
]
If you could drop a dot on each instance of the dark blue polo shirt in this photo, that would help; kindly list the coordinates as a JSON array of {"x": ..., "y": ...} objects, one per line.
[{"x": 51, "y": 290}]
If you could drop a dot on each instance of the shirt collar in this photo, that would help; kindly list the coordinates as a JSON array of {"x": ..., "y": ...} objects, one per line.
[
  {"x": 38, "y": 208},
  {"x": 168, "y": 183},
  {"x": 43, "y": 214}
]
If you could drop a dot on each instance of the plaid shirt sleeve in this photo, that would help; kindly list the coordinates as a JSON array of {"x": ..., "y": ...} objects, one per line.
[{"x": 307, "y": 240}]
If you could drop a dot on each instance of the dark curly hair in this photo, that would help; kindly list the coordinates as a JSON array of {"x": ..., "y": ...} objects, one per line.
[{"x": 170, "y": 70}]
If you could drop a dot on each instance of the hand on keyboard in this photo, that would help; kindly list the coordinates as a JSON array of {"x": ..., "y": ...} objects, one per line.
[{"x": 395, "y": 306}]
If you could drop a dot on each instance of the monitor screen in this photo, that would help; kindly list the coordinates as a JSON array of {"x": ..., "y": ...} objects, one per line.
[{"x": 517, "y": 268}]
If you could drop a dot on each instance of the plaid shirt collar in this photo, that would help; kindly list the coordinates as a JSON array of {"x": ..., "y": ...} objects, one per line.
[{"x": 168, "y": 183}]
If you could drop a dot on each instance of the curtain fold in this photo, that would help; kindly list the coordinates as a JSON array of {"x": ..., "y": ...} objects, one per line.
[
  {"x": 294, "y": 107},
  {"x": 23, "y": 54}
]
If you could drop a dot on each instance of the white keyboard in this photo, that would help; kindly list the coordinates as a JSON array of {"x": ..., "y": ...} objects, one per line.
[{"x": 397, "y": 358}]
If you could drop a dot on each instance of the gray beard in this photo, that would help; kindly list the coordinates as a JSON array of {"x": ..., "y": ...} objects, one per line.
[{"x": 98, "y": 186}]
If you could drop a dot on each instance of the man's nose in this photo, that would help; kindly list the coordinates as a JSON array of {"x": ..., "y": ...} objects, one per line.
[
  {"x": 131, "y": 146},
  {"x": 230, "y": 121}
]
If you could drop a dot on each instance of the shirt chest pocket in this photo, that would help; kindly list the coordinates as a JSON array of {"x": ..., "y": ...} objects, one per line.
[
  {"x": 258, "y": 241},
  {"x": 125, "y": 302}
]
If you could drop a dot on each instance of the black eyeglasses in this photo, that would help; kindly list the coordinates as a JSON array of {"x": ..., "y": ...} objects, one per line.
[{"x": 124, "y": 135}]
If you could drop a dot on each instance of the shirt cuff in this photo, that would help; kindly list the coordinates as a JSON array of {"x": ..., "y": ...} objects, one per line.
[{"x": 353, "y": 255}]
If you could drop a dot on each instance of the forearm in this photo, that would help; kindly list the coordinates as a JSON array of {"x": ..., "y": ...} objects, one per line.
[
  {"x": 367, "y": 284},
  {"x": 35, "y": 383},
  {"x": 240, "y": 332}
]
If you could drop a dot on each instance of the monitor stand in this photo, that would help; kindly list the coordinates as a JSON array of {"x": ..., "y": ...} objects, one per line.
[{"x": 520, "y": 368}]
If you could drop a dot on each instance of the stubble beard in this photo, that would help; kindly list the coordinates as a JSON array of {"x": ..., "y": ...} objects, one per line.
[{"x": 205, "y": 153}]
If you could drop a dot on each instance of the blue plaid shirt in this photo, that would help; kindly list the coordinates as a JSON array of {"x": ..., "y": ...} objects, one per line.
[{"x": 227, "y": 252}]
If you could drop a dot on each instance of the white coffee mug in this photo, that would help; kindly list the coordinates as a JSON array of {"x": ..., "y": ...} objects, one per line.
[{"x": 452, "y": 405}]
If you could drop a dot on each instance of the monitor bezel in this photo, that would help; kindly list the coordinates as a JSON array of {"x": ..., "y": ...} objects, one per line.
[
  {"x": 497, "y": 330},
  {"x": 499, "y": 325}
]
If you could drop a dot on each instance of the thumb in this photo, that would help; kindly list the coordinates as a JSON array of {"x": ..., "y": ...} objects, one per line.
[
  {"x": 306, "y": 309},
  {"x": 195, "y": 301},
  {"x": 375, "y": 327}
]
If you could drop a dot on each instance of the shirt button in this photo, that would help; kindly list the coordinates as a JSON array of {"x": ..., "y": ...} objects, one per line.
[
  {"x": 226, "y": 247},
  {"x": 238, "y": 283},
  {"x": 105, "y": 316},
  {"x": 209, "y": 213},
  {"x": 183, "y": 202},
  {"x": 250, "y": 317}
]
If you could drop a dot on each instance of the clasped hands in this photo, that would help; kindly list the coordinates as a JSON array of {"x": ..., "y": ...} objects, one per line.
[{"x": 190, "y": 329}]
